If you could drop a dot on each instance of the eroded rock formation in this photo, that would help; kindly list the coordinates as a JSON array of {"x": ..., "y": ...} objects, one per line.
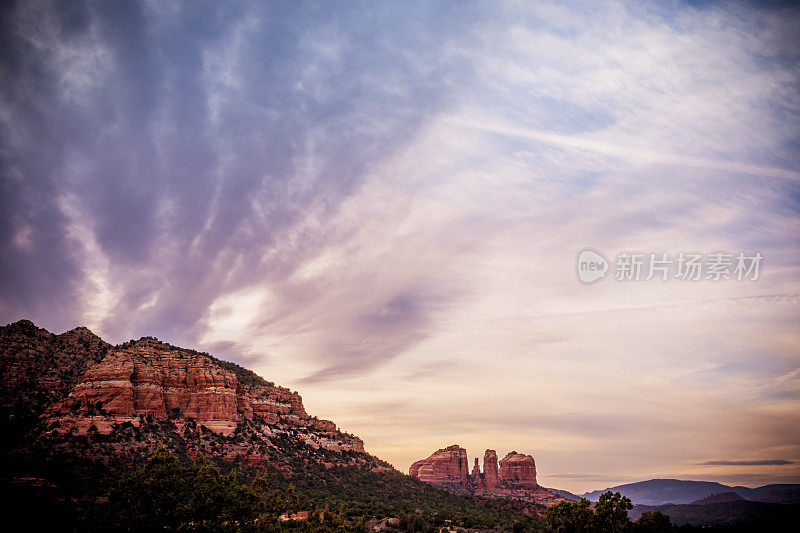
[
  {"x": 41, "y": 365},
  {"x": 491, "y": 477},
  {"x": 448, "y": 465},
  {"x": 514, "y": 476},
  {"x": 148, "y": 378},
  {"x": 519, "y": 470}
]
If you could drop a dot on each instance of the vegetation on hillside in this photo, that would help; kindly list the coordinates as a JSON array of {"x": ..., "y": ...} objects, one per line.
[{"x": 167, "y": 494}]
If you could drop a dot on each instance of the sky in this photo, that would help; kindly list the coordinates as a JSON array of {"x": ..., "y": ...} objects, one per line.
[{"x": 381, "y": 204}]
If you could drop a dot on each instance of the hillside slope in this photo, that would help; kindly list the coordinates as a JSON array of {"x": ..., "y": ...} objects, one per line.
[{"x": 82, "y": 415}]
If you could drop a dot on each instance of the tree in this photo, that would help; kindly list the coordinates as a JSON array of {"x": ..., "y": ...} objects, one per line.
[
  {"x": 570, "y": 517},
  {"x": 412, "y": 522},
  {"x": 653, "y": 522},
  {"x": 611, "y": 512},
  {"x": 164, "y": 494}
]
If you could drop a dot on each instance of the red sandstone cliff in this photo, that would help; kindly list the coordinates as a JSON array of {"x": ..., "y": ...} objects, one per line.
[
  {"x": 151, "y": 378},
  {"x": 74, "y": 384}
]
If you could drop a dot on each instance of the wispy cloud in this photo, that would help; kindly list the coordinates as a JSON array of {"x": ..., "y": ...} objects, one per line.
[
  {"x": 637, "y": 155},
  {"x": 765, "y": 462},
  {"x": 382, "y": 205}
]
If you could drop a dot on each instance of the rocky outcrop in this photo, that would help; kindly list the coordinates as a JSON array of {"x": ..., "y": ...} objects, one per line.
[
  {"x": 45, "y": 365},
  {"x": 512, "y": 477},
  {"x": 148, "y": 378},
  {"x": 477, "y": 477},
  {"x": 445, "y": 466},
  {"x": 37, "y": 370},
  {"x": 76, "y": 383},
  {"x": 519, "y": 470},
  {"x": 491, "y": 477}
]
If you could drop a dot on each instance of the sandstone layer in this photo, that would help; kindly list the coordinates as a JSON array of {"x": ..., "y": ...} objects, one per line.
[{"x": 148, "y": 378}]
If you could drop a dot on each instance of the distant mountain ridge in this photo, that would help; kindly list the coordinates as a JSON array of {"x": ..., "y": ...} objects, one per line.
[{"x": 676, "y": 491}]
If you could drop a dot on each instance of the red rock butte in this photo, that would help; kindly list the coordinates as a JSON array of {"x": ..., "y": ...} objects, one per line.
[
  {"x": 519, "y": 470},
  {"x": 512, "y": 476}
]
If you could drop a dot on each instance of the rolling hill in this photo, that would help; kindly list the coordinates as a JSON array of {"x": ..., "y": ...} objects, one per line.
[{"x": 677, "y": 491}]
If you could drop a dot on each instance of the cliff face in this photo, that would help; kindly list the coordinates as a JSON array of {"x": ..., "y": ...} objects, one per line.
[
  {"x": 148, "y": 378},
  {"x": 133, "y": 397},
  {"x": 513, "y": 477},
  {"x": 448, "y": 465},
  {"x": 519, "y": 470}
]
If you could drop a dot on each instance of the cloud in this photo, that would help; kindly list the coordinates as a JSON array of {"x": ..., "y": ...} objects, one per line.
[
  {"x": 199, "y": 157},
  {"x": 382, "y": 206},
  {"x": 584, "y": 477},
  {"x": 630, "y": 153},
  {"x": 765, "y": 462}
]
